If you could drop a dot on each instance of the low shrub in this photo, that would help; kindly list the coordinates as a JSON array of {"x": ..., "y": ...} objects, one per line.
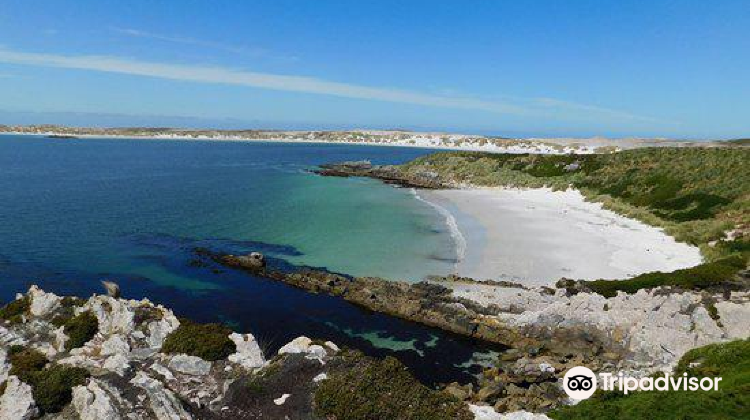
[
  {"x": 24, "y": 361},
  {"x": 52, "y": 387},
  {"x": 362, "y": 388},
  {"x": 207, "y": 341},
  {"x": 730, "y": 361},
  {"x": 80, "y": 329},
  {"x": 699, "y": 277},
  {"x": 14, "y": 311}
]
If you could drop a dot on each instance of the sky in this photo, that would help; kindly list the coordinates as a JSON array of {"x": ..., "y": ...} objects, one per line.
[{"x": 510, "y": 68}]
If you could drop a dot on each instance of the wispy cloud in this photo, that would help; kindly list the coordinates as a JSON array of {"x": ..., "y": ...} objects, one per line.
[
  {"x": 538, "y": 108},
  {"x": 248, "y": 51},
  {"x": 222, "y": 75}
]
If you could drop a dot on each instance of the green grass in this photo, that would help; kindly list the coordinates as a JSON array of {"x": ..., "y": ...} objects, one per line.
[
  {"x": 704, "y": 276},
  {"x": 362, "y": 388},
  {"x": 730, "y": 361},
  {"x": 207, "y": 341}
]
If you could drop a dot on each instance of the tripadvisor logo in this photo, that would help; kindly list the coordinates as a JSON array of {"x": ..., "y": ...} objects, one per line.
[{"x": 580, "y": 383}]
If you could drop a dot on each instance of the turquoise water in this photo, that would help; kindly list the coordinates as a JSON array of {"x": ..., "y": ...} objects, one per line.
[
  {"x": 80, "y": 202},
  {"x": 74, "y": 212}
]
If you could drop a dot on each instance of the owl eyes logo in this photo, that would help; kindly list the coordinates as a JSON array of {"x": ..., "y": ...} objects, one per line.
[{"x": 579, "y": 383}]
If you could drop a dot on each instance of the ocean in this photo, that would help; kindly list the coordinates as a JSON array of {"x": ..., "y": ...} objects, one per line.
[{"x": 77, "y": 211}]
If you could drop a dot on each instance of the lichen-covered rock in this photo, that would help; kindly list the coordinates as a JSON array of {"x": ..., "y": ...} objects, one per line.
[
  {"x": 42, "y": 303},
  {"x": 114, "y": 315},
  {"x": 161, "y": 401},
  {"x": 160, "y": 329},
  {"x": 189, "y": 365},
  {"x": 298, "y": 345},
  {"x": 92, "y": 402},
  {"x": 249, "y": 354},
  {"x": 17, "y": 402}
]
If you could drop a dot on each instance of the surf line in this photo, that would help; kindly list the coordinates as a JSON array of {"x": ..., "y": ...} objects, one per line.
[{"x": 458, "y": 238}]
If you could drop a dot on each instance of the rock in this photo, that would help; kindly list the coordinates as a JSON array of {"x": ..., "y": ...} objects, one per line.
[
  {"x": 115, "y": 344},
  {"x": 91, "y": 402},
  {"x": 162, "y": 401},
  {"x": 114, "y": 315},
  {"x": 331, "y": 345},
  {"x": 489, "y": 391},
  {"x": 483, "y": 412},
  {"x": 4, "y": 365},
  {"x": 42, "y": 303},
  {"x": 189, "y": 365},
  {"x": 546, "y": 367},
  {"x": 320, "y": 377},
  {"x": 253, "y": 261},
  {"x": 117, "y": 363},
  {"x": 460, "y": 392},
  {"x": 298, "y": 345},
  {"x": 163, "y": 371},
  {"x": 316, "y": 352},
  {"x": 113, "y": 289},
  {"x": 17, "y": 402},
  {"x": 159, "y": 330},
  {"x": 282, "y": 399},
  {"x": 60, "y": 339},
  {"x": 249, "y": 354}
]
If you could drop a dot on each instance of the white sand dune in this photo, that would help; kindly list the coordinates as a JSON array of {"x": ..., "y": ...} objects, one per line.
[{"x": 537, "y": 236}]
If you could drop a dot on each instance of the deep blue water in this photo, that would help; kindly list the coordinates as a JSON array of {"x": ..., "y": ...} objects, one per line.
[{"x": 74, "y": 212}]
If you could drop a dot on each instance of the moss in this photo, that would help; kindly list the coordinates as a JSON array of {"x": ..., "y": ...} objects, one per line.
[
  {"x": 80, "y": 329},
  {"x": 207, "y": 341},
  {"x": 730, "y": 361},
  {"x": 362, "y": 388},
  {"x": 52, "y": 387},
  {"x": 25, "y": 361},
  {"x": 700, "y": 277},
  {"x": 15, "y": 310}
]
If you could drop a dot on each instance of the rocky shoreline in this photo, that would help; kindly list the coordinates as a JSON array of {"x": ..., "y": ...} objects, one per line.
[
  {"x": 138, "y": 361},
  {"x": 389, "y": 174},
  {"x": 546, "y": 329}
]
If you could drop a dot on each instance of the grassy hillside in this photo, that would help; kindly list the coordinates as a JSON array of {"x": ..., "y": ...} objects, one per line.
[
  {"x": 730, "y": 361},
  {"x": 696, "y": 194}
]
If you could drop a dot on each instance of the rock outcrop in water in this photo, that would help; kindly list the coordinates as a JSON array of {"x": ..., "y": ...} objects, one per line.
[
  {"x": 547, "y": 329},
  {"x": 389, "y": 174}
]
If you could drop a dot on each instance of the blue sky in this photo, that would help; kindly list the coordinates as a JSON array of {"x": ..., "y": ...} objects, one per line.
[{"x": 547, "y": 68}]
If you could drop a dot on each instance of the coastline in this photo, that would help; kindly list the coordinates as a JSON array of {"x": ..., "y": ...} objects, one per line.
[
  {"x": 520, "y": 146},
  {"x": 538, "y": 236}
]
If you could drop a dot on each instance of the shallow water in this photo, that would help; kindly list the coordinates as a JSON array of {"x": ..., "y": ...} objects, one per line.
[{"x": 74, "y": 212}]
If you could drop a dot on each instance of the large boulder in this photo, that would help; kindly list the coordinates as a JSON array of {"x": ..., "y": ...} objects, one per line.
[
  {"x": 249, "y": 354},
  {"x": 189, "y": 365},
  {"x": 17, "y": 402},
  {"x": 42, "y": 303}
]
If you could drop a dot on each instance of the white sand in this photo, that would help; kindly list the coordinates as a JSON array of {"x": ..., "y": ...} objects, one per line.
[{"x": 537, "y": 236}]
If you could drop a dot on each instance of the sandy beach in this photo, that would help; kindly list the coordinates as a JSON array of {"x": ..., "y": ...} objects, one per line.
[{"x": 537, "y": 236}]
